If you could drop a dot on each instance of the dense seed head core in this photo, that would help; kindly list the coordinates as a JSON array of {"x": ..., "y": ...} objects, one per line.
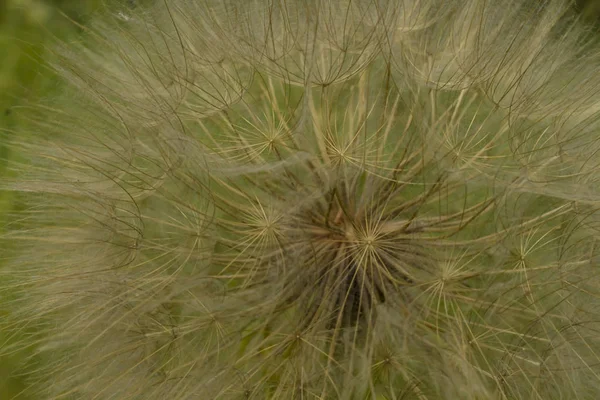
[{"x": 351, "y": 257}]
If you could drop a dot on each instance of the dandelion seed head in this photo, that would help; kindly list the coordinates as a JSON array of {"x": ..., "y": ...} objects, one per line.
[{"x": 325, "y": 199}]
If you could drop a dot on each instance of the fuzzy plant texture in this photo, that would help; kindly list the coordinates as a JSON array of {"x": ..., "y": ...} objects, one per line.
[{"x": 311, "y": 199}]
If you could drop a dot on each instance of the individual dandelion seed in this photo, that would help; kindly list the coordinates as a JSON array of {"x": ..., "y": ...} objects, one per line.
[{"x": 312, "y": 199}]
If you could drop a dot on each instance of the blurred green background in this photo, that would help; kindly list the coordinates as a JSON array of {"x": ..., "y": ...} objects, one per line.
[{"x": 26, "y": 26}]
